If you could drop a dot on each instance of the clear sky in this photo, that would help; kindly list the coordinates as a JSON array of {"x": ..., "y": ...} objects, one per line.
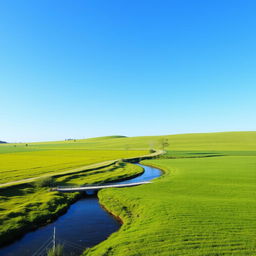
[{"x": 90, "y": 68}]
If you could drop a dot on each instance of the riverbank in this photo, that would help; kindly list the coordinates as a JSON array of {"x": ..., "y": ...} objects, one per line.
[
  {"x": 39, "y": 206},
  {"x": 126, "y": 209}
]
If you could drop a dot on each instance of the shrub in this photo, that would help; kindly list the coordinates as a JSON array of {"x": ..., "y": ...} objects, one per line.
[{"x": 45, "y": 182}]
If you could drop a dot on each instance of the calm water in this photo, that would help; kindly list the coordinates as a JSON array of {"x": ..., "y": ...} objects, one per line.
[{"x": 84, "y": 225}]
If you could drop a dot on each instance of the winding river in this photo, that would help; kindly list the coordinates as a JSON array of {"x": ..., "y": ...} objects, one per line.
[{"x": 84, "y": 225}]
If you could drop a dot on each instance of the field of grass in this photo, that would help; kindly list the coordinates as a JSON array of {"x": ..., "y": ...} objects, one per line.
[
  {"x": 114, "y": 172},
  {"x": 23, "y": 165},
  {"x": 203, "y": 205},
  {"x": 26, "y": 206},
  {"x": 21, "y": 161}
]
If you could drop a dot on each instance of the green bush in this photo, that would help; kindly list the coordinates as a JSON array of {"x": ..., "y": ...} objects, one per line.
[{"x": 45, "y": 182}]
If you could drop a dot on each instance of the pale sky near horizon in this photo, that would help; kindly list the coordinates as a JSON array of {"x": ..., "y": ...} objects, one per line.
[{"x": 78, "y": 69}]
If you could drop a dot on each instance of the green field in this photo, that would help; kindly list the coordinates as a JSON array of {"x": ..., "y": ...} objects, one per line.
[
  {"x": 204, "y": 204},
  {"x": 21, "y": 161},
  {"x": 23, "y": 165}
]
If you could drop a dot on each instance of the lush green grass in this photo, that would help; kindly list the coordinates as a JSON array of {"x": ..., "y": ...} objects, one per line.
[
  {"x": 201, "y": 206},
  {"x": 13, "y": 148},
  {"x": 23, "y": 165},
  {"x": 19, "y": 161},
  {"x": 114, "y": 172},
  {"x": 26, "y": 206},
  {"x": 200, "y": 154}
]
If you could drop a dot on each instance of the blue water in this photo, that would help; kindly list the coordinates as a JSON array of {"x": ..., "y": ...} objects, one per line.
[{"x": 84, "y": 225}]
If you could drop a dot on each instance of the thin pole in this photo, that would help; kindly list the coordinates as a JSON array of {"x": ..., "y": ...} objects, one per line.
[{"x": 54, "y": 239}]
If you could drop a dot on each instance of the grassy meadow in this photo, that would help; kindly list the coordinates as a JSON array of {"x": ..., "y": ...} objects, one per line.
[
  {"x": 204, "y": 204},
  {"x": 21, "y": 161},
  {"x": 23, "y": 165}
]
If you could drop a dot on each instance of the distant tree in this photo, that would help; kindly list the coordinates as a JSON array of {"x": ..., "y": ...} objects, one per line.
[
  {"x": 26, "y": 145},
  {"x": 164, "y": 142},
  {"x": 45, "y": 182}
]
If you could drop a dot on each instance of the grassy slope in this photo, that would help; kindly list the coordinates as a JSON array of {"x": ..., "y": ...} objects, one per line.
[
  {"x": 201, "y": 206},
  {"x": 223, "y": 141},
  {"x": 22, "y": 165}
]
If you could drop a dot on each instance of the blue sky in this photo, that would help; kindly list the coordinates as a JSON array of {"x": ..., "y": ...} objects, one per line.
[{"x": 92, "y": 68}]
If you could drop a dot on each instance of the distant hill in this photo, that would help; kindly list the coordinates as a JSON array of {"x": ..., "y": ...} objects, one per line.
[
  {"x": 109, "y": 137},
  {"x": 2, "y": 141},
  {"x": 220, "y": 141}
]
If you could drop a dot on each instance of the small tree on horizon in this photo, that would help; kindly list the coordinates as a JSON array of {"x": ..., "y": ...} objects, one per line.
[{"x": 164, "y": 142}]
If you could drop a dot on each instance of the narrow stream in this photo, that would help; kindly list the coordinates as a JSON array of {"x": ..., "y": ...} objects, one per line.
[{"x": 84, "y": 225}]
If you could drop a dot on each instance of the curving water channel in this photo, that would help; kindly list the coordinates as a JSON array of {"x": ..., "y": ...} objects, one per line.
[{"x": 84, "y": 225}]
